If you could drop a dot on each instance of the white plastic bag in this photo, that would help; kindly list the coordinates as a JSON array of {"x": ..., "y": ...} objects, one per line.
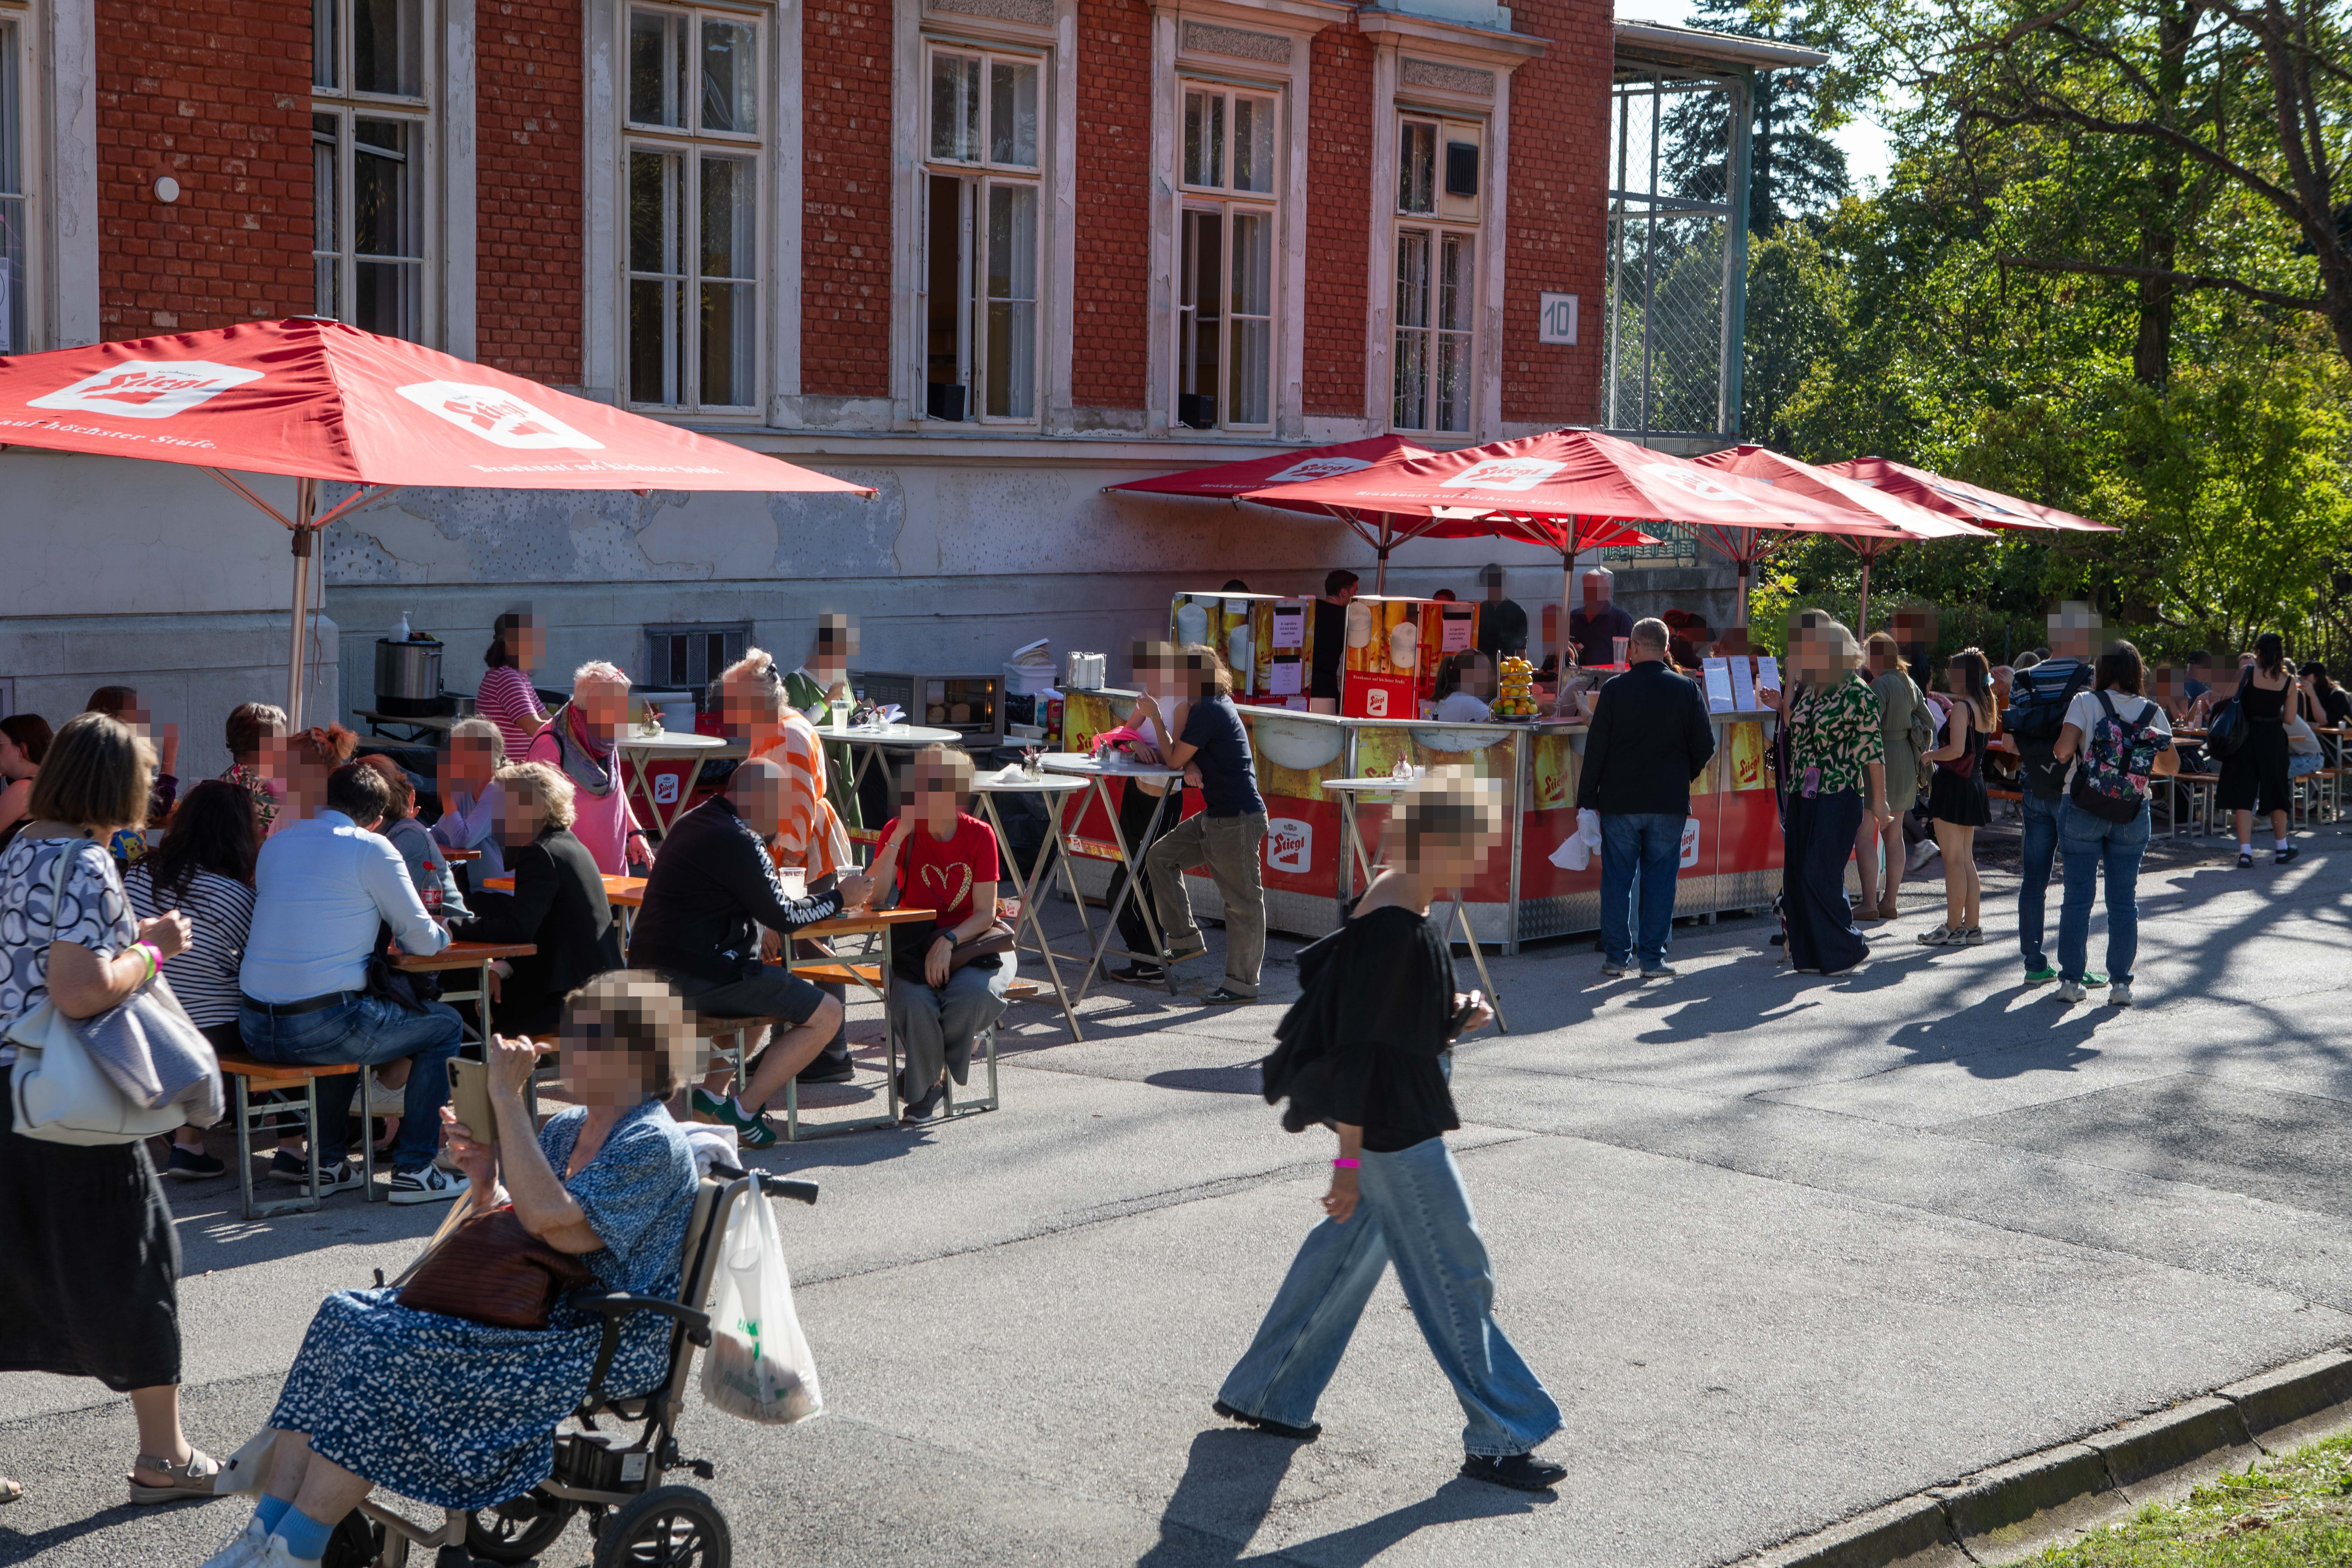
[
  {"x": 1575, "y": 851},
  {"x": 759, "y": 1365}
]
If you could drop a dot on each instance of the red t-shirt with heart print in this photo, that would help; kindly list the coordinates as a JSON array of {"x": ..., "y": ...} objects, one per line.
[{"x": 941, "y": 874}]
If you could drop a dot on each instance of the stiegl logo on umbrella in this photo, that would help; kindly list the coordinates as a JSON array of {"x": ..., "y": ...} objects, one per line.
[
  {"x": 1505, "y": 474},
  {"x": 495, "y": 416},
  {"x": 147, "y": 389}
]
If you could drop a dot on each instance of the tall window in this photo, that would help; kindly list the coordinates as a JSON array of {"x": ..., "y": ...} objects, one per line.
[
  {"x": 979, "y": 279},
  {"x": 693, "y": 160},
  {"x": 1224, "y": 296},
  {"x": 15, "y": 208},
  {"x": 370, "y": 116},
  {"x": 1437, "y": 281}
]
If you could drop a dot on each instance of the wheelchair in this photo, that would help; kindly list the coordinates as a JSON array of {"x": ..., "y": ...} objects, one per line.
[{"x": 635, "y": 1516}]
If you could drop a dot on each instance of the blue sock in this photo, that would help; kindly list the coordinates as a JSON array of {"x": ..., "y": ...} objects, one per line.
[
  {"x": 271, "y": 1511},
  {"x": 305, "y": 1538}
]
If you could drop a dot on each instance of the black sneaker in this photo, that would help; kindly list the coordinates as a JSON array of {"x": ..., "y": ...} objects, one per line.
[
  {"x": 1306, "y": 1433},
  {"x": 823, "y": 1071},
  {"x": 1520, "y": 1472},
  {"x": 343, "y": 1176},
  {"x": 427, "y": 1185},
  {"x": 922, "y": 1110},
  {"x": 1140, "y": 974},
  {"x": 193, "y": 1165}
]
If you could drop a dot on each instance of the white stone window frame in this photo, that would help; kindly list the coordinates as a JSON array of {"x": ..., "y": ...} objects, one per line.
[
  {"x": 1251, "y": 46},
  {"x": 55, "y": 42},
  {"x": 1230, "y": 204},
  {"x": 776, "y": 149},
  {"x": 1436, "y": 228},
  {"x": 1048, "y": 31},
  {"x": 982, "y": 174},
  {"x": 443, "y": 112},
  {"x": 1424, "y": 68}
]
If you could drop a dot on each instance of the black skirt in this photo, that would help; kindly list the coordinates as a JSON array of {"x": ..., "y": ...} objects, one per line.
[
  {"x": 1960, "y": 798},
  {"x": 2256, "y": 779},
  {"x": 89, "y": 1264}
]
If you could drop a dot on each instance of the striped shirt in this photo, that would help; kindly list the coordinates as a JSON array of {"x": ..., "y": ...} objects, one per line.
[
  {"x": 220, "y": 912},
  {"x": 810, "y": 835},
  {"x": 507, "y": 699}
]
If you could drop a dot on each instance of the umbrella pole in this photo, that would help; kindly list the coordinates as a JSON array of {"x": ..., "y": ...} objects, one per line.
[
  {"x": 304, "y": 537},
  {"x": 1861, "y": 609}
]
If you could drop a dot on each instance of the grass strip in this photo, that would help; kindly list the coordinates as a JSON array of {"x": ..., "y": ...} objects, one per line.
[{"x": 2293, "y": 1511}]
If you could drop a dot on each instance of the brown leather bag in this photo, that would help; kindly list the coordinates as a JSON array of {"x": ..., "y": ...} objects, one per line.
[
  {"x": 489, "y": 1269},
  {"x": 996, "y": 939}
]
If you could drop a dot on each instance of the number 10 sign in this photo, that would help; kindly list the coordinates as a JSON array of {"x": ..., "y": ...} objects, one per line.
[{"x": 1556, "y": 324}]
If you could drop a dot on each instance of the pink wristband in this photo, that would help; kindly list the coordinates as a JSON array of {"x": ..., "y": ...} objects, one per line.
[{"x": 1347, "y": 1164}]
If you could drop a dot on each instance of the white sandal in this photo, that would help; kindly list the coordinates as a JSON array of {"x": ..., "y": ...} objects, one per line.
[{"x": 193, "y": 1478}]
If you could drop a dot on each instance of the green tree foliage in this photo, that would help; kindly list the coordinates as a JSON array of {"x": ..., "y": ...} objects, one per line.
[{"x": 1793, "y": 167}]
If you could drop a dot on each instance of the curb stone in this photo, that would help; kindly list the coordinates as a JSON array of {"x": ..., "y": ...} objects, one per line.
[{"x": 2010, "y": 1510}]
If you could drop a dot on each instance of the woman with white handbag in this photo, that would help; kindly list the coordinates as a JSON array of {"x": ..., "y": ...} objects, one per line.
[{"x": 89, "y": 1260}]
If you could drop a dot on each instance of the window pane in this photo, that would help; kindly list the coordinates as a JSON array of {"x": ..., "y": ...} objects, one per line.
[
  {"x": 1253, "y": 144},
  {"x": 1204, "y": 139},
  {"x": 386, "y": 215},
  {"x": 729, "y": 218},
  {"x": 325, "y": 43},
  {"x": 1411, "y": 376},
  {"x": 1200, "y": 292},
  {"x": 729, "y": 318},
  {"x": 1453, "y": 382},
  {"x": 1012, "y": 113},
  {"x": 955, "y": 108},
  {"x": 654, "y": 197},
  {"x": 388, "y": 297},
  {"x": 730, "y": 78},
  {"x": 1413, "y": 279},
  {"x": 1012, "y": 302},
  {"x": 1455, "y": 286},
  {"x": 326, "y": 211},
  {"x": 12, "y": 206},
  {"x": 388, "y": 47},
  {"x": 656, "y": 69},
  {"x": 657, "y": 339},
  {"x": 1253, "y": 334},
  {"x": 1416, "y": 167},
  {"x": 943, "y": 304}
]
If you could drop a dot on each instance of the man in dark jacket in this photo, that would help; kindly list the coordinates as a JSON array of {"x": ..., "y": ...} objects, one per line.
[
  {"x": 712, "y": 890},
  {"x": 1649, "y": 738}
]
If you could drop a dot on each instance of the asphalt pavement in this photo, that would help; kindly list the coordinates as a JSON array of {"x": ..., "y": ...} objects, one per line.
[{"x": 1783, "y": 1248}]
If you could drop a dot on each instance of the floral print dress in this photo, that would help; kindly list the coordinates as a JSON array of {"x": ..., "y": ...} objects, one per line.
[
  {"x": 1837, "y": 729},
  {"x": 457, "y": 1414}
]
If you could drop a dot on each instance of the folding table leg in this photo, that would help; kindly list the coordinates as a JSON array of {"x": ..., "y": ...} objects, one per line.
[
  {"x": 245, "y": 1146},
  {"x": 1478, "y": 957}
]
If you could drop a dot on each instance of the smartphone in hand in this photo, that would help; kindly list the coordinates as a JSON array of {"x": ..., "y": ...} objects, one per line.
[{"x": 469, "y": 1098}]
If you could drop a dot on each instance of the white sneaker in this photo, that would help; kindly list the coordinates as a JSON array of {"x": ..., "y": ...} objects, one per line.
[
  {"x": 244, "y": 1550},
  {"x": 2071, "y": 992},
  {"x": 1921, "y": 853},
  {"x": 427, "y": 1185},
  {"x": 381, "y": 1099},
  {"x": 275, "y": 1555},
  {"x": 2119, "y": 995}
]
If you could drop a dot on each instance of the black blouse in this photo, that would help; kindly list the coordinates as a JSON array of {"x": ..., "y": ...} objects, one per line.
[{"x": 1395, "y": 1013}]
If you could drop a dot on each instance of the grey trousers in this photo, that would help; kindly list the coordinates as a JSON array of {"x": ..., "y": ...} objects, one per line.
[
  {"x": 936, "y": 1025},
  {"x": 1229, "y": 845}
]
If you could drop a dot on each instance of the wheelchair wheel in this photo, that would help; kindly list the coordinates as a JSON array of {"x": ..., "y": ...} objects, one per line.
[
  {"x": 669, "y": 1527},
  {"x": 518, "y": 1530},
  {"x": 357, "y": 1542}
]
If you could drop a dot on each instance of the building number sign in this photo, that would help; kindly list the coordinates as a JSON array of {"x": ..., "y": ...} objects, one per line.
[{"x": 1556, "y": 324}]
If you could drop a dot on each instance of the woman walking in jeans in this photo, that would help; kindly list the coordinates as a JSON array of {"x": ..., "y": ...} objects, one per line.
[
  {"x": 2116, "y": 733},
  {"x": 1396, "y": 1193}
]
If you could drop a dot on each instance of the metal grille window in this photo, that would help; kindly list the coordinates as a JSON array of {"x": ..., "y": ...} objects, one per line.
[
  {"x": 688, "y": 657},
  {"x": 371, "y": 119},
  {"x": 15, "y": 204},
  {"x": 693, "y": 178},
  {"x": 978, "y": 284},
  {"x": 1226, "y": 295},
  {"x": 1436, "y": 277}
]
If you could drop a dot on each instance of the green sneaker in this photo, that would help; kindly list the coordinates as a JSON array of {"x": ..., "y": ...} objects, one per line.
[
  {"x": 2041, "y": 977},
  {"x": 752, "y": 1131},
  {"x": 2093, "y": 978}
]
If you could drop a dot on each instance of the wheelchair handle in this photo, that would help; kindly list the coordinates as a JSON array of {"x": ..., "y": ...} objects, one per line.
[{"x": 789, "y": 1187}]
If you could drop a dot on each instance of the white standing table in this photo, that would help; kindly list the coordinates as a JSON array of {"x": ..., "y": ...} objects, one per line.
[
  {"x": 1098, "y": 773},
  {"x": 868, "y": 742},
  {"x": 1054, "y": 790},
  {"x": 662, "y": 745},
  {"x": 1354, "y": 859}
]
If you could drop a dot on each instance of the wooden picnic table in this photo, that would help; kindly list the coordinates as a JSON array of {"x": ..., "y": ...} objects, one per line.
[{"x": 477, "y": 956}]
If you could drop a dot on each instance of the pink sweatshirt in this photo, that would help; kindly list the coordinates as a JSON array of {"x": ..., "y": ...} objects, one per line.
[{"x": 603, "y": 822}]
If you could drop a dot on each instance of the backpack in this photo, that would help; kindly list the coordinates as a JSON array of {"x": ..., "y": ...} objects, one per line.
[
  {"x": 2039, "y": 698},
  {"x": 2117, "y": 758},
  {"x": 1921, "y": 733}
]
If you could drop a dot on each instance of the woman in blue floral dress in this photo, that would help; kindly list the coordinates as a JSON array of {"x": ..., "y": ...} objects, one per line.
[{"x": 462, "y": 1415}]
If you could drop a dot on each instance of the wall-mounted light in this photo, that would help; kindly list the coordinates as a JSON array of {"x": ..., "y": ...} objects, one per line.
[{"x": 167, "y": 189}]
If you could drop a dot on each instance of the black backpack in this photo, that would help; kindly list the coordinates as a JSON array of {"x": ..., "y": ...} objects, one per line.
[
  {"x": 2225, "y": 731},
  {"x": 2038, "y": 700}
]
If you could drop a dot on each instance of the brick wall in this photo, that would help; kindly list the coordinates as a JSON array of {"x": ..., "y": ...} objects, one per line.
[
  {"x": 1338, "y": 177},
  {"x": 845, "y": 196},
  {"x": 1110, "y": 316},
  {"x": 1558, "y": 219},
  {"x": 216, "y": 94},
  {"x": 527, "y": 123}
]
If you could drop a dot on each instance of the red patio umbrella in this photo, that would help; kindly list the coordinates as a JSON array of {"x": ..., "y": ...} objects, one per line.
[
  {"x": 1881, "y": 519},
  {"x": 325, "y": 403},
  {"x": 1232, "y": 481},
  {"x": 1569, "y": 489},
  {"x": 1961, "y": 499}
]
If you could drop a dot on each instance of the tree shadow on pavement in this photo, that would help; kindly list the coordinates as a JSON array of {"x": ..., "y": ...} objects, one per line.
[
  {"x": 1231, "y": 1477},
  {"x": 1985, "y": 1038}
]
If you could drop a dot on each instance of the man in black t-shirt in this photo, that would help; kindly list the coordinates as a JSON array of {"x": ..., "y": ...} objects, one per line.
[
  {"x": 1330, "y": 650},
  {"x": 1212, "y": 748},
  {"x": 1502, "y": 625},
  {"x": 1595, "y": 629}
]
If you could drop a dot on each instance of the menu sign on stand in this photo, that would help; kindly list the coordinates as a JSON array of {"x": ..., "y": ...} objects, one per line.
[
  {"x": 1719, "y": 685},
  {"x": 1743, "y": 684}
]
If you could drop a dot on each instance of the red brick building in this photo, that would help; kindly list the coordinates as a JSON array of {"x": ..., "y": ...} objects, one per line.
[{"x": 1280, "y": 219}]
